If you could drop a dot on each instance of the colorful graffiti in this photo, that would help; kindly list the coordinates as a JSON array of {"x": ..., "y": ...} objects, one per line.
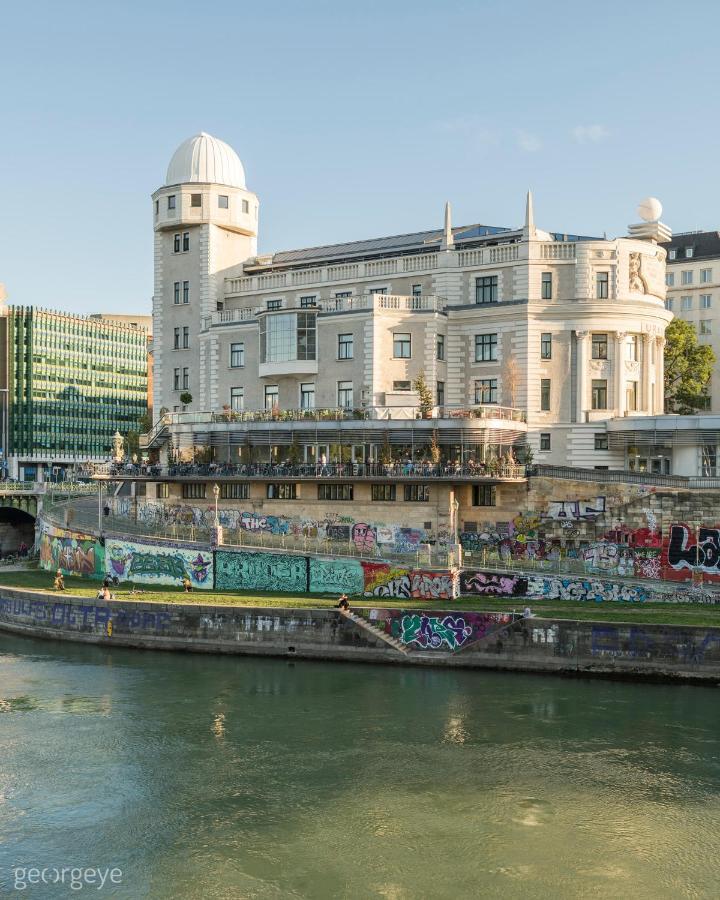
[
  {"x": 491, "y": 584},
  {"x": 574, "y": 509},
  {"x": 91, "y": 616},
  {"x": 386, "y": 580},
  {"x": 549, "y": 587},
  {"x": 158, "y": 563},
  {"x": 260, "y": 571},
  {"x": 336, "y": 576},
  {"x": 438, "y": 630},
  {"x": 694, "y": 550},
  {"x": 72, "y": 552}
]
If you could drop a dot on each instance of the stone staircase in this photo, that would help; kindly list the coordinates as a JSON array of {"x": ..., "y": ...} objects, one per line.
[{"x": 375, "y": 631}]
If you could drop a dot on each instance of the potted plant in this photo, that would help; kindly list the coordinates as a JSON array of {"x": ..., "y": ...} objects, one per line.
[
  {"x": 386, "y": 453},
  {"x": 186, "y": 398},
  {"x": 425, "y": 397}
]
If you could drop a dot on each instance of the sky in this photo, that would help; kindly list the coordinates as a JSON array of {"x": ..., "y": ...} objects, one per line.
[{"x": 353, "y": 120}]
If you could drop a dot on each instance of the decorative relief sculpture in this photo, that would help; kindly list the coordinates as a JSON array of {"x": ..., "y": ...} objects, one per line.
[{"x": 637, "y": 282}]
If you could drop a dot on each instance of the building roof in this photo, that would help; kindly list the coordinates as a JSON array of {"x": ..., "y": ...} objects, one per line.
[
  {"x": 704, "y": 244},
  {"x": 207, "y": 160}
]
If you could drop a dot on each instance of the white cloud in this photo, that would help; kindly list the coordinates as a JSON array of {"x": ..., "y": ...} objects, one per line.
[
  {"x": 527, "y": 142},
  {"x": 590, "y": 134}
]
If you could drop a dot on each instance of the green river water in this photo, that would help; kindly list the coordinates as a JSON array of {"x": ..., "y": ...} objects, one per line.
[{"x": 231, "y": 777}]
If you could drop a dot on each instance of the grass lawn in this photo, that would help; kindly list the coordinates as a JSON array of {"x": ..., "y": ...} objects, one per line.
[{"x": 641, "y": 613}]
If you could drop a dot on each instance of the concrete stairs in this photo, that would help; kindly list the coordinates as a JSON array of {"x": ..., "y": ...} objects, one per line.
[{"x": 375, "y": 631}]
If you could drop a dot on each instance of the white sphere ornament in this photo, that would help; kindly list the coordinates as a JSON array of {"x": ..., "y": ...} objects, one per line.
[{"x": 650, "y": 209}]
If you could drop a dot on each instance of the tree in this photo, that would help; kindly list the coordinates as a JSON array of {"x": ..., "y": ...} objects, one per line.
[
  {"x": 186, "y": 398},
  {"x": 688, "y": 368},
  {"x": 425, "y": 397}
]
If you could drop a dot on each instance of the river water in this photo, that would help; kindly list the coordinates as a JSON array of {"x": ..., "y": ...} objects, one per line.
[{"x": 230, "y": 777}]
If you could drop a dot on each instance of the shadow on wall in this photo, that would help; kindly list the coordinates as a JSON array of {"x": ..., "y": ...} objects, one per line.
[{"x": 16, "y": 527}]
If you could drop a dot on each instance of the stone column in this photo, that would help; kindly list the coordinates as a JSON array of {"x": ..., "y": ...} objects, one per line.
[
  {"x": 647, "y": 400},
  {"x": 620, "y": 372},
  {"x": 659, "y": 376},
  {"x": 582, "y": 362}
]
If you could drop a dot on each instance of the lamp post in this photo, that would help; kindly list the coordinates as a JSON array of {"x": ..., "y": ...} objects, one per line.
[
  {"x": 216, "y": 494},
  {"x": 698, "y": 573}
]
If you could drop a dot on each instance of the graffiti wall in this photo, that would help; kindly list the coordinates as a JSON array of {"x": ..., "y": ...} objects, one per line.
[
  {"x": 438, "y": 630},
  {"x": 166, "y": 563},
  {"x": 551, "y": 587},
  {"x": 336, "y": 576},
  {"x": 70, "y": 551},
  {"x": 247, "y": 571},
  {"x": 492, "y": 584},
  {"x": 387, "y": 580}
]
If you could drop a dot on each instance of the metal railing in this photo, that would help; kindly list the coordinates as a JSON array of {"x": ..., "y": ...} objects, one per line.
[{"x": 696, "y": 482}]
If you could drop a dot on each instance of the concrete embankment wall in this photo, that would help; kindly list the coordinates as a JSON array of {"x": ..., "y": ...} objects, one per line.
[{"x": 405, "y": 636}]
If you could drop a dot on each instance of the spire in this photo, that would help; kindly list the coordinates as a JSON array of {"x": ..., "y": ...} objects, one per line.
[
  {"x": 448, "y": 241},
  {"x": 529, "y": 227}
]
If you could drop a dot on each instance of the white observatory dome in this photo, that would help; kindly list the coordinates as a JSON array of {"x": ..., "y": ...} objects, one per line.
[{"x": 205, "y": 159}]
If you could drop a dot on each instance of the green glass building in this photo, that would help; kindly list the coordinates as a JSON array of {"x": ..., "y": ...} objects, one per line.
[{"x": 72, "y": 382}]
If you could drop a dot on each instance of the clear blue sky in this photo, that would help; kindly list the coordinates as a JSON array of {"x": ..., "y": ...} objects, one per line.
[{"x": 352, "y": 120}]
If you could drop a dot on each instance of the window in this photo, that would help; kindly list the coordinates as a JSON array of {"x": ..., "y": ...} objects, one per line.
[
  {"x": 544, "y": 440},
  {"x": 273, "y": 304},
  {"x": 546, "y": 346},
  {"x": 486, "y": 289},
  {"x": 401, "y": 346},
  {"x": 486, "y": 390},
  {"x": 335, "y": 492},
  {"x": 195, "y": 199},
  {"x": 546, "y": 286},
  {"x": 417, "y": 493},
  {"x": 631, "y": 396},
  {"x": 441, "y": 393},
  {"x": 417, "y": 290},
  {"x": 483, "y": 495},
  {"x": 686, "y": 276},
  {"x": 186, "y": 241},
  {"x": 705, "y": 326},
  {"x": 601, "y": 285},
  {"x": 440, "y": 347},
  {"x": 287, "y": 336},
  {"x": 669, "y": 303},
  {"x": 345, "y": 394},
  {"x": 672, "y": 253},
  {"x": 601, "y": 441},
  {"x": 177, "y": 292},
  {"x": 186, "y": 337},
  {"x": 194, "y": 491},
  {"x": 186, "y": 291},
  {"x": 670, "y": 279},
  {"x": 599, "y": 393},
  {"x": 171, "y": 201},
  {"x": 705, "y": 276},
  {"x": 186, "y": 378},
  {"x": 177, "y": 243},
  {"x": 235, "y": 491},
  {"x": 307, "y": 395},
  {"x": 281, "y": 492},
  {"x": 686, "y": 303},
  {"x": 308, "y": 302},
  {"x": 272, "y": 395},
  {"x": 599, "y": 346},
  {"x": 631, "y": 348},
  {"x": 485, "y": 347},
  {"x": 402, "y": 385},
  {"x": 705, "y": 301},
  {"x": 345, "y": 346},
  {"x": 383, "y": 492},
  {"x": 223, "y": 201},
  {"x": 176, "y": 380},
  {"x": 237, "y": 399},
  {"x": 162, "y": 491},
  {"x": 377, "y": 290},
  {"x": 689, "y": 252},
  {"x": 237, "y": 356},
  {"x": 545, "y": 394},
  {"x": 157, "y": 207},
  {"x": 176, "y": 342},
  {"x": 245, "y": 206}
]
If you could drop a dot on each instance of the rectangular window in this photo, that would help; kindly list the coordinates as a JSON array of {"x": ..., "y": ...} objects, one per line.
[
  {"x": 308, "y": 302},
  {"x": 486, "y": 289},
  {"x": 670, "y": 279},
  {"x": 441, "y": 347},
  {"x": 186, "y": 378},
  {"x": 345, "y": 346},
  {"x": 195, "y": 199},
  {"x": 483, "y": 495},
  {"x": 486, "y": 390},
  {"x": 273, "y": 304},
  {"x": 186, "y": 337},
  {"x": 177, "y": 243},
  {"x": 335, "y": 492},
  {"x": 238, "y": 491},
  {"x": 176, "y": 341},
  {"x": 417, "y": 290},
  {"x": 272, "y": 395},
  {"x": 545, "y": 394},
  {"x": 546, "y": 345},
  {"x": 599, "y": 346},
  {"x": 686, "y": 303},
  {"x": 177, "y": 292},
  {"x": 689, "y": 252},
  {"x": 176, "y": 380},
  {"x": 486, "y": 347},
  {"x": 186, "y": 241},
  {"x": 631, "y": 348},
  {"x": 194, "y": 491},
  {"x": 599, "y": 393},
  {"x": 601, "y": 285},
  {"x": 631, "y": 396},
  {"x": 401, "y": 346},
  {"x": 378, "y": 290},
  {"x": 237, "y": 399},
  {"x": 705, "y": 276},
  {"x": 672, "y": 253},
  {"x": 237, "y": 356},
  {"x": 162, "y": 491},
  {"x": 705, "y": 326},
  {"x": 245, "y": 206},
  {"x": 686, "y": 276},
  {"x": 544, "y": 440},
  {"x": 402, "y": 385},
  {"x": 171, "y": 201},
  {"x": 601, "y": 441},
  {"x": 417, "y": 493},
  {"x": 281, "y": 491},
  {"x": 385, "y": 492},
  {"x": 546, "y": 286},
  {"x": 345, "y": 394},
  {"x": 441, "y": 393},
  {"x": 186, "y": 291},
  {"x": 307, "y": 395},
  {"x": 157, "y": 207},
  {"x": 669, "y": 303},
  {"x": 223, "y": 201},
  {"x": 705, "y": 301}
]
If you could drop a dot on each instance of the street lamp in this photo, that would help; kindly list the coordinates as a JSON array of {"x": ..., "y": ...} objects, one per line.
[{"x": 216, "y": 494}]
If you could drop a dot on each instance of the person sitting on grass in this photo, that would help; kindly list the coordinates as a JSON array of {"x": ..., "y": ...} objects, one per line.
[
  {"x": 59, "y": 583},
  {"x": 187, "y": 585},
  {"x": 343, "y": 603}
]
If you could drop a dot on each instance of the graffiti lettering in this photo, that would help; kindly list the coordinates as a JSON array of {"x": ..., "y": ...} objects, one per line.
[
  {"x": 490, "y": 584},
  {"x": 431, "y": 633}
]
